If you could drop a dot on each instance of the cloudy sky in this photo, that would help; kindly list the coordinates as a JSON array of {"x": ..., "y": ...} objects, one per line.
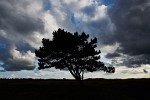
[{"x": 121, "y": 26}]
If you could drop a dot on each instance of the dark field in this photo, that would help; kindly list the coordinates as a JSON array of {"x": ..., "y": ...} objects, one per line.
[{"x": 95, "y": 89}]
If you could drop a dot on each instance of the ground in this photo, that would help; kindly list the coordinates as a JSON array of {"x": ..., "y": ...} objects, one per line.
[{"x": 93, "y": 89}]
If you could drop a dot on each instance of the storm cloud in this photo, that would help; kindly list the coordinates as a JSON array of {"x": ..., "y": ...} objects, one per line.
[
  {"x": 122, "y": 28},
  {"x": 18, "y": 21},
  {"x": 23, "y": 24},
  {"x": 16, "y": 17},
  {"x": 131, "y": 19}
]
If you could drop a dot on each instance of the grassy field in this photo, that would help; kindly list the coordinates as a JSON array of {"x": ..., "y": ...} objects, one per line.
[{"x": 93, "y": 89}]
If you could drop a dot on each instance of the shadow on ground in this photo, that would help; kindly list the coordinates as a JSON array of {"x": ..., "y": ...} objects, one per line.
[{"x": 93, "y": 89}]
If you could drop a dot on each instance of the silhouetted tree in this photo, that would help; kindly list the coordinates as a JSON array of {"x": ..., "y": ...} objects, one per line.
[{"x": 72, "y": 51}]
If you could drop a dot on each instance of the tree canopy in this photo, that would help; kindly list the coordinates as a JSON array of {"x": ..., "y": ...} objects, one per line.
[{"x": 74, "y": 52}]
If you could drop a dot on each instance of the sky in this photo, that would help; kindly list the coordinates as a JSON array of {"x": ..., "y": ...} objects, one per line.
[{"x": 121, "y": 27}]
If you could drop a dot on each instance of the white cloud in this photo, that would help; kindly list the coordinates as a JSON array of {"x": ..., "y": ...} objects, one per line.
[
  {"x": 109, "y": 48},
  {"x": 20, "y": 60},
  {"x": 101, "y": 12},
  {"x": 77, "y": 5},
  {"x": 50, "y": 24},
  {"x": 21, "y": 56},
  {"x": 34, "y": 40},
  {"x": 3, "y": 33}
]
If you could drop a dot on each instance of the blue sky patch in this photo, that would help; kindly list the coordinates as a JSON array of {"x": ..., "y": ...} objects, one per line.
[
  {"x": 107, "y": 2},
  {"x": 74, "y": 20},
  {"x": 2, "y": 45},
  {"x": 47, "y": 5}
]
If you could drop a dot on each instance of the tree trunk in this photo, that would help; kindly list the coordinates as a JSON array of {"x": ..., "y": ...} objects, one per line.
[
  {"x": 82, "y": 75},
  {"x": 80, "y": 81},
  {"x": 78, "y": 77}
]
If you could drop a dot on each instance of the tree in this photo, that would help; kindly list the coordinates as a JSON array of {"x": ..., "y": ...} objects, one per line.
[{"x": 72, "y": 51}]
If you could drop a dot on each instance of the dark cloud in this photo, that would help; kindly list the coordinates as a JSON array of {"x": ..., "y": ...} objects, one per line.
[
  {"x": 24, "y": 47},
  {"x": 136, "y": 61},
  {"x": 17, "y": 23},
  {"x": 131, "y": 19},
  {"x": 113, "y": 55},
  {"x": 14, "y": 59},
  {"x": 123, "y": 22},
  {"x": 14, "y": 20},
  {"x": 16, "y": 65}
]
